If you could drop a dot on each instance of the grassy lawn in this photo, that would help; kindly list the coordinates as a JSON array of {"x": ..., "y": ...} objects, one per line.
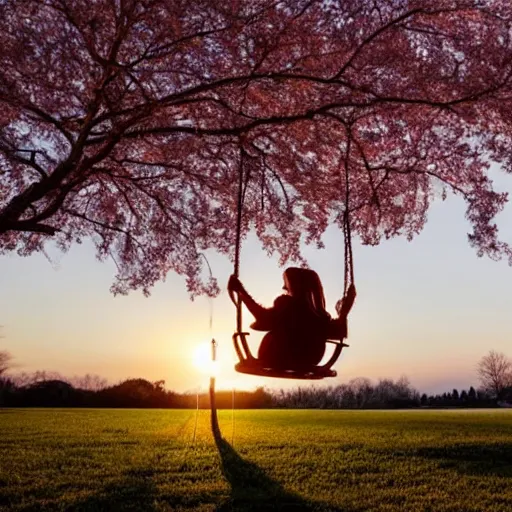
[{"x": 58, "y": 459}]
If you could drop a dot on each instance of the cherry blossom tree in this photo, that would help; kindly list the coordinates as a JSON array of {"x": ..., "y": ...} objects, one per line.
[{"x": 130, "y": 121}]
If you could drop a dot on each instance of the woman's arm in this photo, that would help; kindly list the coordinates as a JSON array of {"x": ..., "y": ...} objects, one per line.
[
  {"x": 260, "y": 313},
  {"x": 338, "y": 328},
  {"x": 344, "y": 305}
]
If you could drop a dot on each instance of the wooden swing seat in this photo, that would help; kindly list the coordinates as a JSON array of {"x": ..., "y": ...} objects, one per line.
[
  {"x": 250, "y": 365},
  {"x": 255, "y": 368}
]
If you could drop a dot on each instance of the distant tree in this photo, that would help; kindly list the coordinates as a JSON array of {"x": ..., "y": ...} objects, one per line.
[
  {"x": 159, "y": 385},
  {"x": 27, "y": 379},
  {"x": 347, "y": 397},
  {"x": 506, "y": 395},
  {"x": 5, "y": 361},
  {"x": 7, "y": 391},
  {"x": 494, "y": 371},
  {"x": 393, "y": 394},
  {"x": 424, "y": 399},
  {"x": 262, "y": 397},
  {"x": 362, "y": 390},
  {"x": 127, "y": 122},
  {"x": 257, "y": 399},
  {"x": 50, "y": 393},
  {"x": 455, "y": 395},
  {"x": 464, "y": 396},
  {"x": 135, "y": 393},
  {"x": 89, "y": 382},
  {"x": 23, "y": 379},
  {"x": 485, "y": 397},
  {"x": 472, "y": 394}
]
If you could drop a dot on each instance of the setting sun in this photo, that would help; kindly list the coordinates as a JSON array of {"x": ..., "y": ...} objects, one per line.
[{"x": 202, "y": 359}]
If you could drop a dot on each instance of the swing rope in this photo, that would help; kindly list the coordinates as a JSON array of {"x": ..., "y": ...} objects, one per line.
[
  {"x": 347, "y": 234},
  {"x": 238, "y": 242},
  {"x": 242, "y": 188},
  {"x": 240, "y": 204}
]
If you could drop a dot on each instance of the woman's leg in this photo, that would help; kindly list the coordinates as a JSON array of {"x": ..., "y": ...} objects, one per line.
[
  {"x": 281, "y": 352},
  {"x": 310, "y": 353},
  {"x": 271, "y": 352}
]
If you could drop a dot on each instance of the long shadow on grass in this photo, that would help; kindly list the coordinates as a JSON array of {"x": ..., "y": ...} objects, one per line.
[
  {"x": 493, "y": 459},
  {"x": 252, "y": 489}
]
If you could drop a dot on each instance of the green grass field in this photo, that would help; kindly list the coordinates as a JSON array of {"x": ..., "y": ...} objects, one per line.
[{"x": 276, "y": 460}]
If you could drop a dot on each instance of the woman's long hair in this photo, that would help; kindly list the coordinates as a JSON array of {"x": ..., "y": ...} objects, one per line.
[{"x": 306, "y": 285}]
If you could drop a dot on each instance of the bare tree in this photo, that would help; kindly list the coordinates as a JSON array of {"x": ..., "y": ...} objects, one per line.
[
  {"x": 495, "y": 372},
  {"x": 5, "y": 361}
]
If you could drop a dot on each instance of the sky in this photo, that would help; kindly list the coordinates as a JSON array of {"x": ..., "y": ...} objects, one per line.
[{"x": 428, "y": 309}]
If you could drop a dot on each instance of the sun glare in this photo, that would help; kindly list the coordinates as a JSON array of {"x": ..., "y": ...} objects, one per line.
[{"x": 203, "y": 360}]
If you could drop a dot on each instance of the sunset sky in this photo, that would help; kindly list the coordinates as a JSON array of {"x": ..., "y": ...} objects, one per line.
[{"x": 428, "y": 309}]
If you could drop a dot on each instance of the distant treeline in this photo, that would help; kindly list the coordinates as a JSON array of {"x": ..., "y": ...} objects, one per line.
[
  {"x": 132, "y": 393},
  {"x": 362, "y": 393},
  {"x": 46, "y": 390}
]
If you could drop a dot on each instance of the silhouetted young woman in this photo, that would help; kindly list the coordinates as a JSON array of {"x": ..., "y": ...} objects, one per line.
[{"x": 298, "y": 323}]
